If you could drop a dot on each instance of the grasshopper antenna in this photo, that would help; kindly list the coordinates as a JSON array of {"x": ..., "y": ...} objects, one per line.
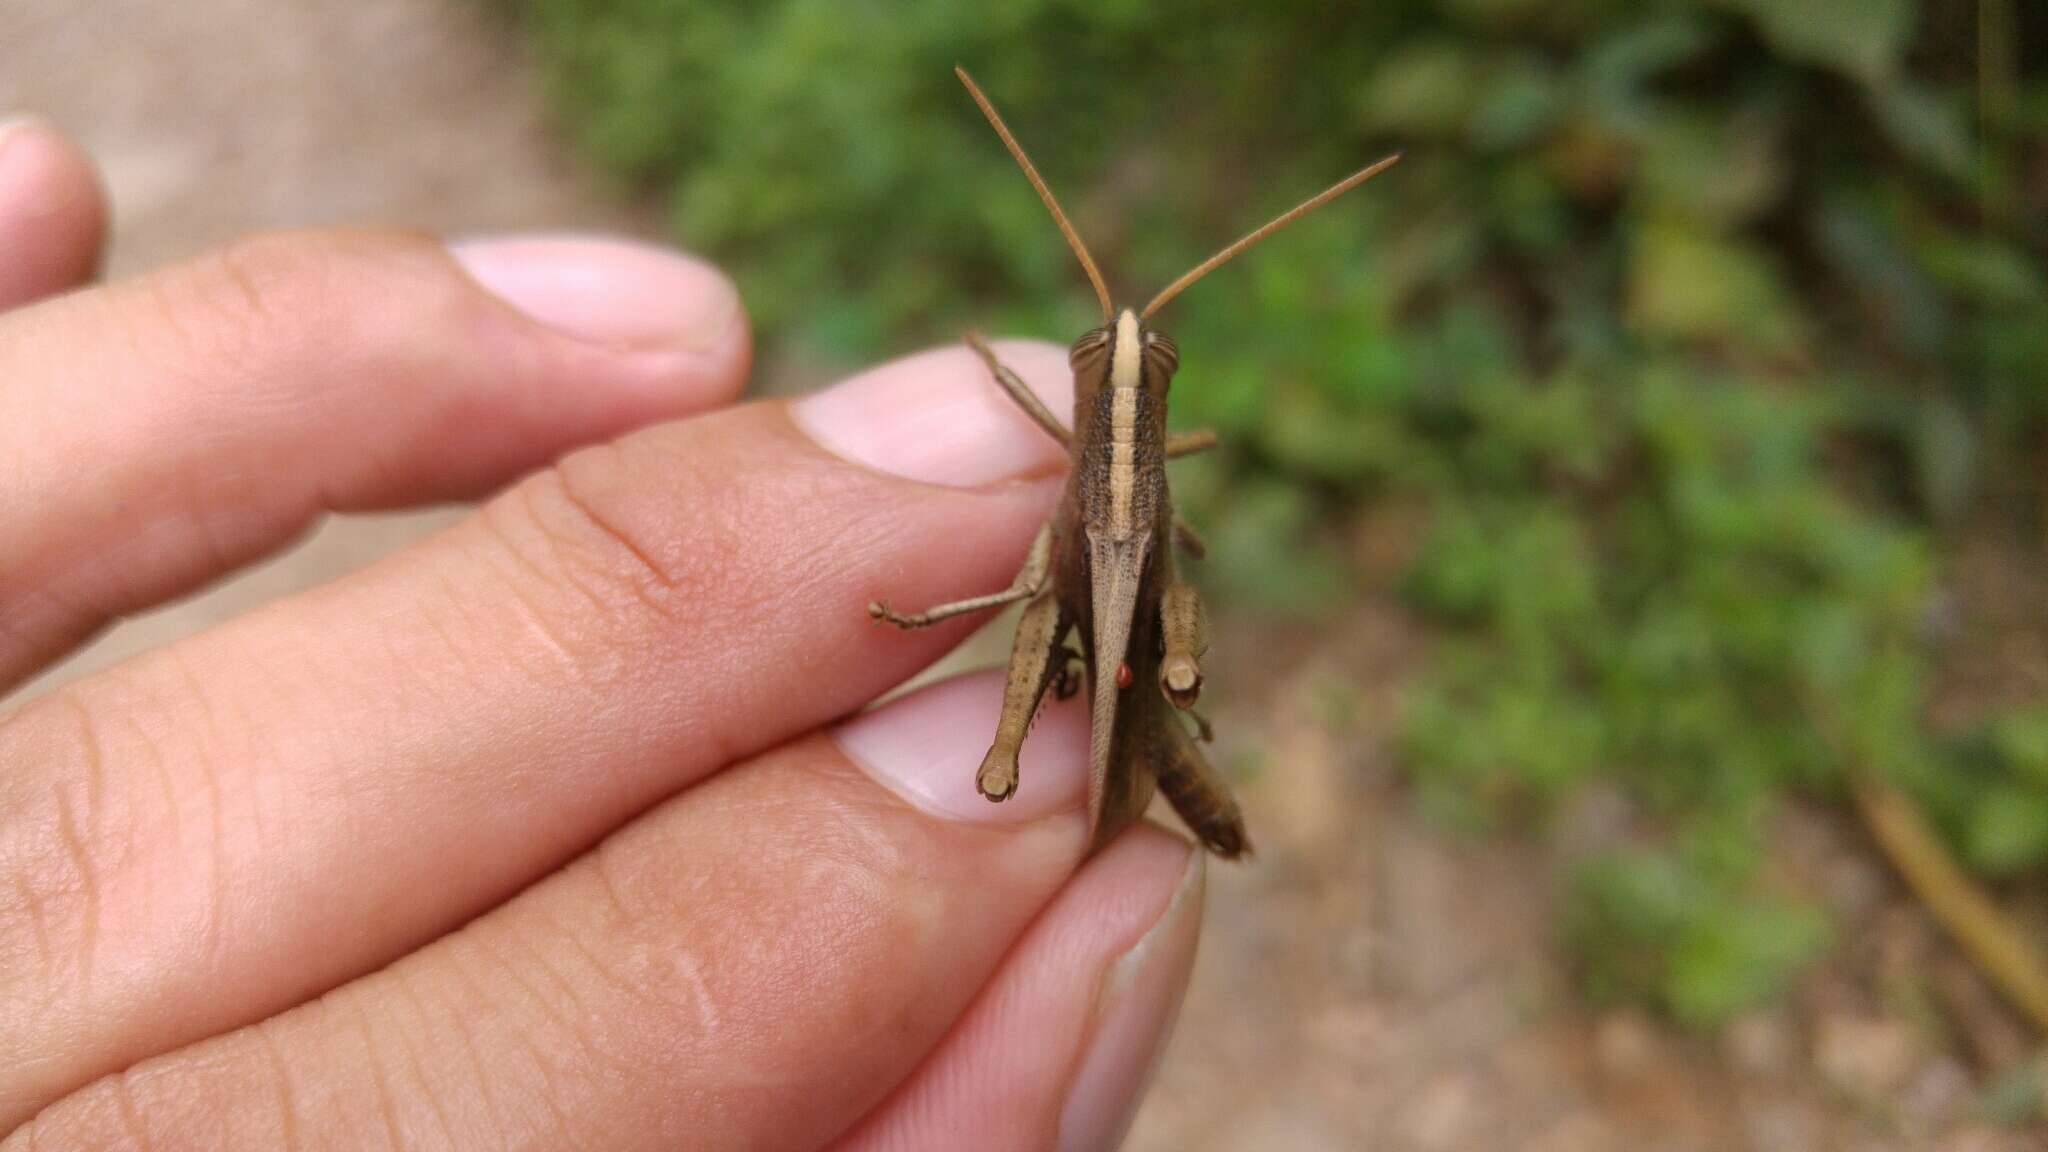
[
  {"x": 1044, "y": 193},
  {"x": 1278, "y": 222}
]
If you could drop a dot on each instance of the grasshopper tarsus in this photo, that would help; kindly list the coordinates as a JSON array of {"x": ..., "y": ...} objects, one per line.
[
  {"x": 880, "y": 612},
  {"x": 1029, "y": 583},
  {"x": 1103, "y": 568},
  {"x": 997, "y": 779},
  {"x": 1181, "y": 680}
]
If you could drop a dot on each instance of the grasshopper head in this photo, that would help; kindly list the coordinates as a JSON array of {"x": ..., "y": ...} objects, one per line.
[{"x": 1123, "y": 353}]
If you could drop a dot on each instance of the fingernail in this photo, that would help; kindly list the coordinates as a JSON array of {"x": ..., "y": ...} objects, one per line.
[
  {"x": 939, "y": 417},
  {"x": 1136, "y": 1008},
  {"x": 927, "y": 746},
  {"x": 607, "y": 291}
]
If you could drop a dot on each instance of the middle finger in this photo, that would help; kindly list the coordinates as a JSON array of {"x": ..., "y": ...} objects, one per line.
[{"x": 221, "y": 829}]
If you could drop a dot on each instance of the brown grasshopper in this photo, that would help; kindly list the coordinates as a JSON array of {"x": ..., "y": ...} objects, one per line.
[{"x": 1103, "y": 566}]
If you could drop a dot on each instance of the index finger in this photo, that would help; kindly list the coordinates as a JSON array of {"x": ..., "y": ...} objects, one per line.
[{"x": 219, "y": 830}]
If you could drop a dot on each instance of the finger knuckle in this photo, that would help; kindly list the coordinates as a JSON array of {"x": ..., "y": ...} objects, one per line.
[
  {"x": 284, "y": 291},
  {"x": 109, "y": 795},
  {"x": 578, "y": 537}
]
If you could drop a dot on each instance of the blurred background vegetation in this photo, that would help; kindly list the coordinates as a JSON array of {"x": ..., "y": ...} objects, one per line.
[{"x": 1685, "y": 351}]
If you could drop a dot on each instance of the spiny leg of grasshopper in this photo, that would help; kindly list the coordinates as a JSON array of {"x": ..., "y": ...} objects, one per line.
[{"x": 1031, "y": 579}]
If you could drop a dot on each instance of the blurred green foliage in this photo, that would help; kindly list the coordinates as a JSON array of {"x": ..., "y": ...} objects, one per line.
[{"x": 1696, "y": 325}]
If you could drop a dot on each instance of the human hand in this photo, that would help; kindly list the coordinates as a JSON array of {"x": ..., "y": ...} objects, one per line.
[{"x": 528, "y": 835}]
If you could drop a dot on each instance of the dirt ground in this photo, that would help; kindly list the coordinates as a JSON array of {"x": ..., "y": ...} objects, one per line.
[{"x": 1368, "y": 982}]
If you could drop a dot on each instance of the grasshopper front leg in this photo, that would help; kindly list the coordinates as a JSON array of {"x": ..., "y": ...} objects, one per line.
[
  {"x": 1188, "y": 443},
  {"x": 1185, "y": 628},
  {"x": 1031, "y": 579},
  {"x": 1020, "y": 392},
  {"x": 1037, "y": 657}
]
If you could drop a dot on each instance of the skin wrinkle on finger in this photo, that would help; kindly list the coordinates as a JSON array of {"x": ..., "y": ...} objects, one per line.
[
  {"x": 180, "y": 425},
  {"x": 373, "y": 748},
  {"x": 833, "y": 967},
  {"x": 350, "y": 1004}
]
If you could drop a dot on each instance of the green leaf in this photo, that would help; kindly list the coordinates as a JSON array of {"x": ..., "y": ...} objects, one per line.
[
  {"x": 1864, "y": 250},
  {"x": 1614, "y": 71},
  {"x": 1739, "y": 956},
  {"x": 1306, "y": 433},
  {"x": 1862, "y": 38},
  {"x": 1946, "y": 458},
  {"x": 1521, "y": 101},
  {"x": 2020, "y": 739},
  {"x": 2007, "y": 830},
  {"x": 1689, "y": 284},
  {"x": 1928, "y": 126},
  {"x": 1423, "y": 90},
  {"x": 1265, "y": 552},
  {"x": 1714, "y": 168}
]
